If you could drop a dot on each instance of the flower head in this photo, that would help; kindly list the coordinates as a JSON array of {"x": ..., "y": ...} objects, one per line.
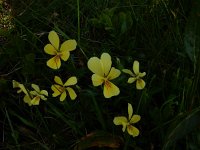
[
  {"x": 59, "y": 52},
  {"x": 62, "y": 89},
  {"x": 127, "y": 122},
  {"x": 103, "y": 73},
  {"x": 136, "y": 75},
  {"x": 37, "y": 94}
]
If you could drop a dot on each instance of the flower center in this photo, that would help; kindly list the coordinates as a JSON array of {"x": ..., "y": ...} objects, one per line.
[
  {"x": 107, "y": 84},
  {"x": 61, "y": 89}
]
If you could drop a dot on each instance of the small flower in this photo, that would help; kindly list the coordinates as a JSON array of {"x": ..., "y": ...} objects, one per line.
[
  {"x": 103, "y": 73},
  {"x": 59, "y": 52},
  {"x": 127, "y": 123},
  {"x": 37, "y": 94},
  {"x": 136, "y": 76},
  {"x": 60, "y": 88},
  {"x": 31, "y": 97},
  {"x": 20, "y": 86}
]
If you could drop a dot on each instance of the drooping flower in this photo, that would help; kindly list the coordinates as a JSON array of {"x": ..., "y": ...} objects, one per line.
[
  {"x": 103, "y": 73},
  {"x": 127, "y": 123},
  {"x": 21, "y": 87},
  {"x": 62, "y": 89},
  {"x": 136, "y": 75},
  {"x": 31, "y": 97},
  {"x": 59, "y": 52}
]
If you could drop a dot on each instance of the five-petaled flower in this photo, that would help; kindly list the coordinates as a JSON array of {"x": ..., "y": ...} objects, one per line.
[
  {"x": 59, "y": 52},
  {"x": 136, "y": 75},
  {"x": 103, "y": 73},
  {"x": 37, "y": 94},
  {"x": 60, "y": 88},
  {"x": 127, "y": 123}
]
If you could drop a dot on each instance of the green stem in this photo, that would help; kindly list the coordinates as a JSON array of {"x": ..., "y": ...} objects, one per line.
[
  {"x": 79, "y": 28},
  {"x": 127, "y": 138},
  {"x": 99, "y": 113},
  {"x": 12, "y": 129}
]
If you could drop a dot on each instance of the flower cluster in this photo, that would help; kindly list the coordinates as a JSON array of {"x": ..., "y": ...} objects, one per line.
[
  {"x": 32, "y": 97},
  {"x": 104, "y": 72},
  {"x": 103, "y": 75}
]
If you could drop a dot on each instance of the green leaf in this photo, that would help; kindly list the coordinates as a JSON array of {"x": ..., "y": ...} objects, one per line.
[
  {"x": 183, "y": 127},
  {"x": 192, "y": 33}
]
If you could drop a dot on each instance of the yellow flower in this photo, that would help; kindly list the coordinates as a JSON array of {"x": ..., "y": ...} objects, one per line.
[
  {"x": 103, "y": 73},
  {"x": 31, "y": 97},
  {"x": 136, "y": 75},
  {"x": 60, "y": 88},
  {"x": 37, "y": 94},
  {"x": 127, "y": 123},
  {"x": 59, "y": 52},
  {"x": 20, "y": 86}
]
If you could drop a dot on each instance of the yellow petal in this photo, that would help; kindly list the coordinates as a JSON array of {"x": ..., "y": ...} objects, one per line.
[
  {"x": 110, "y": 89},
  {"x": 21, "y": 86},
  {"x": 64, "y": 55},
  {"x": 72, "y": 93},
  {"x": 27, "y": 100},
  {"x": 133, "y": 130},
  {"x": 135, "y": 118},
  {"x": 54, "y": 39},
  {"x": 63, "y": 96},
  {"x": 43, "y": 97},
  {"x": 56, "y": 89},
  {"x": 44, "y": 92},
  {"x": 128, "y": 72},
  {"x": 35, "y": 87},
  {"x": 106, "y": 63},
  {"x": 136, "y": 67},
  {"x": 114, "y": 73},
  {"x": 142, "y": 74},
  {"x": 58, "y": 80},
  {"x": 121, "y": 120},
  {"x": 95, "y": 65},
  {"x": 49, "y": 49},
  {"x": 130, "y": 111},
  {"x": 71, "y": 81},
  {"x": 131, "y": 79},
  {"x": 33, "y": 93},
  {"x": 35, "y": 100},
  {"x": 54, "y": 62},
  {"x": 97, "y": 80},
  {"x": 140, "y": 84},
  {"x": 15, "y": 84},
  {"x": 68, "y": 45}
]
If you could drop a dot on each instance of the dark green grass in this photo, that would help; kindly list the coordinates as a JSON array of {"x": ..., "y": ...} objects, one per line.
[{"x": 163, "y": 35}]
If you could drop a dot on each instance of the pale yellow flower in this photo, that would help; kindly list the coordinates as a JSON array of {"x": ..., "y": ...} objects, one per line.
[
  {"x": 103, "y": 73},
  {"x": 59, "y": 52},
  {"x": 62, "y": 89},
  {"x": 37, "y": 94},
  {"x": 31, "y": 97},
  {"x": 127, "y": 123},
  {"x": 136, "y": 75}
]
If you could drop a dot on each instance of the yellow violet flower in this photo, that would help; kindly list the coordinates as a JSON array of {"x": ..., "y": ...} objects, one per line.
[
  {"x": 31, "y": 97},
  {"x": 59, "y": 52},
  {"x": 136, "y": 75},
  {"x": 103, "y": 73},
  {"x": 60, "y": 88},
  {"x": 37, "y": 94},
  {"x": 20, "y": 86},
  {"x": 127, "y": 122}
]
